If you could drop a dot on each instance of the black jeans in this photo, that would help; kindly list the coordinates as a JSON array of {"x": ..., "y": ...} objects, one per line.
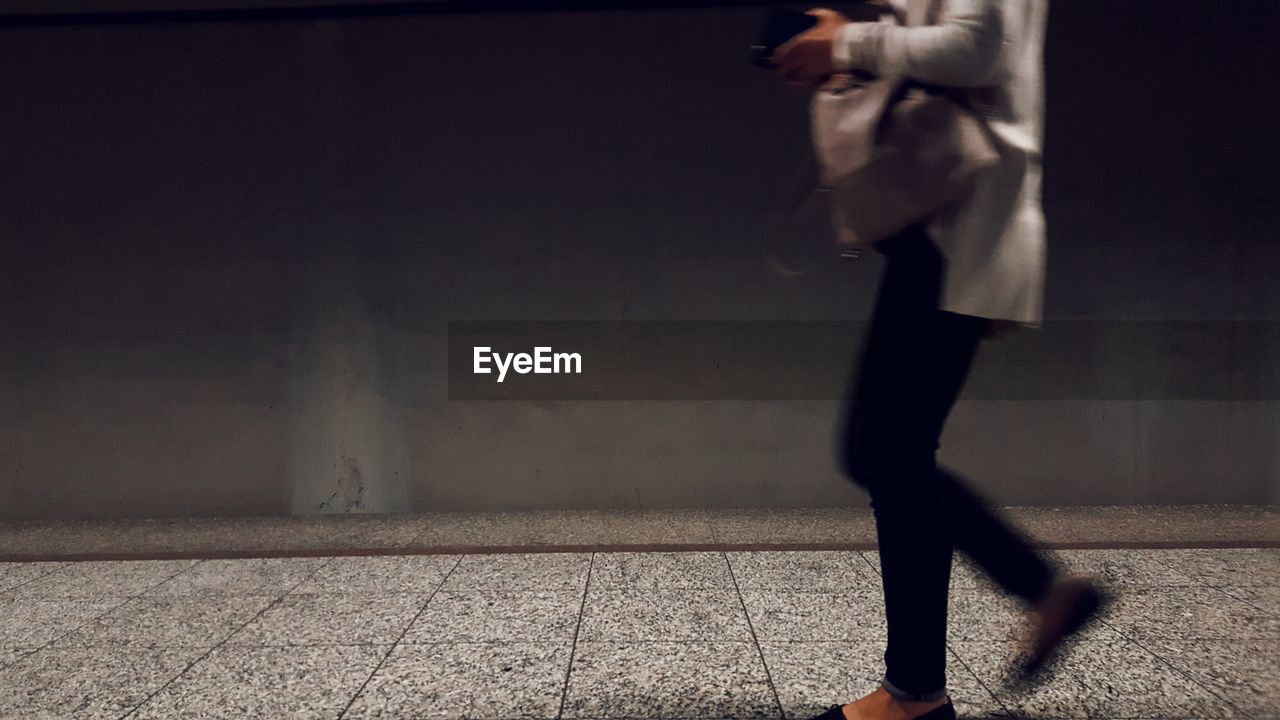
[{"x": 914, "y": 362}]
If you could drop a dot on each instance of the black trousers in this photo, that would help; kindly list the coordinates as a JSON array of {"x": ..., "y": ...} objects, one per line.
[{"x": 914, "y": 362}]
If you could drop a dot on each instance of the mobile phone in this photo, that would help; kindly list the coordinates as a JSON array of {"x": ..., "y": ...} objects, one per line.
[{"x": 781, "y": 24}]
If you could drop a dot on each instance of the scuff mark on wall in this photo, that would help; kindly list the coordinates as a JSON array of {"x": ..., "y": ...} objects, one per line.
[{"x": 349, "y": 495}]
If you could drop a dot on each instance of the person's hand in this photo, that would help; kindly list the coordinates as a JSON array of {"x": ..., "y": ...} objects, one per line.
[{"x": 805, "y": 60}]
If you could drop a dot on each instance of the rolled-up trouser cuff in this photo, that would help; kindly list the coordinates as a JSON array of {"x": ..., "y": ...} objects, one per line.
[{"x": 901, "y": 694}]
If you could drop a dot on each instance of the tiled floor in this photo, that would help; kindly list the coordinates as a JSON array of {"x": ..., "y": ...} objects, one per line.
[{"x": 1193, "y": 634}]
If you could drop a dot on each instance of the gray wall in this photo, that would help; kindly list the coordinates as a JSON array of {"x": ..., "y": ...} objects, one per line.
[{"x": 230, "y": 251}]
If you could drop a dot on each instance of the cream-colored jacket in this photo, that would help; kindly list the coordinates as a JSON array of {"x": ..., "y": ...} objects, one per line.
[{"x": 994, "y": 241}]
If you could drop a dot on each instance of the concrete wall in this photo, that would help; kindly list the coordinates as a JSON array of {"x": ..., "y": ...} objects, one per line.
[{"x": 230, "y": 252}]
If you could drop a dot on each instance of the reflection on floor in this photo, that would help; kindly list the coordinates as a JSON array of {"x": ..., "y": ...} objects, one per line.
[{"x": 1194, "y": 634}]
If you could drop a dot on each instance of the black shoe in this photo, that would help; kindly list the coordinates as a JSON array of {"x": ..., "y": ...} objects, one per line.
[
  {"x": 942, "y": 712},
  {"x": 1072, "y": 604}
]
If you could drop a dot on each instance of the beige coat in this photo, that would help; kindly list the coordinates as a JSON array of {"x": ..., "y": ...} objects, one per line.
[{"x": 994, "y": 241}]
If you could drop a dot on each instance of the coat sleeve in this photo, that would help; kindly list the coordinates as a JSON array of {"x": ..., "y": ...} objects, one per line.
[{"x": 962, "y": 50}]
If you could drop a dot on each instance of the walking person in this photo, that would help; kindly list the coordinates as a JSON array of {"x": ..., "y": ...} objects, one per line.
[{"x": 973, "y": 271}]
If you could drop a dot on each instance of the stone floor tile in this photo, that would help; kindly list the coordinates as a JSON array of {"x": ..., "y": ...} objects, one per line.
[
  {"x": 268, "y": 577},
  {"x": 982, "y": 615},
  {"x": 35, "y": 621},
  {"x": 823, "y": 570},
  {"x": 87, "y": 682},
  {"x": 331, "y": 620},
  {"x": 1246, "y": 567},
  {"x": 251, "y": 682},
  {"x": 169, "y": 621},
  {"x": 1125, "y": 568},
  {"x": 872, "y": 559},
  {"x": 10, "y": 654},
  {"x": 812, "y": 676},
  {"x": 658, "y": 570},
  {"x": 677, "y": 615},
  {"x": 986, "y": 615},
  {"x": 796, "y": 615},
  {"x": 668, "y": 680},
  {"x": 1191, "y": 634},
  {"x": 1189, "y": 613},
  {"x": 13, "y": 574},
  {"x": 380, "y": 575},
  {"x": 1098, "y": 679},
  {"x": 520, "y": 571},
  {"x": 1245, "y": 673},
  {"x": 965, "y": 575},
  {"x": 124, "y": 578},
  {"x": 1266, "y": 599},
  {"x": 467, "y": 680},
  {"x": 483, "y": 616}
]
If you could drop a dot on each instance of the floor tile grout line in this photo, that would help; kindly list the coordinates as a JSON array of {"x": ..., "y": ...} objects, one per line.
[
  {"x": 950, "y": 648},
  {"x": 198, "y": 562},
  {"x": 60, "y": 564},
  {"x": 1196, "y": 584},
  {"x": 77, "y": 628},
  {"x": 755, "y": 640},
  {"x": 1196, "y": 581},
  {"x": 1124, "y": 589},
  {"x": 38, "y": 648},
  {"x": 133, "y": 710},
  {"x": 392, "y": 648},
  {"x": 1225, "y": 589},
  {"x": 573, "y": 649},
  {"x": 995, "y": 696},
  {"x": 138, "y": 594},
  {"x": 124, "y": 600},
  {"x": 1130, "y": 638},
  {"x": 289, "y": 591},
  {"x": 863, "y": 554}
]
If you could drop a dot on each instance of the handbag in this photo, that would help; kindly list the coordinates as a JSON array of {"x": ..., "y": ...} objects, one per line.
[{"x": 892, "y": 152}]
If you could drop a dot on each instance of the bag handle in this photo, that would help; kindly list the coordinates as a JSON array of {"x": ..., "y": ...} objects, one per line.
[{"x": 806, "y": 180}]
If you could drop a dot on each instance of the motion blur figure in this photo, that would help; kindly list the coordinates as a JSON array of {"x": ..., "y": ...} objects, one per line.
[{"x": 975, "y": 270}]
